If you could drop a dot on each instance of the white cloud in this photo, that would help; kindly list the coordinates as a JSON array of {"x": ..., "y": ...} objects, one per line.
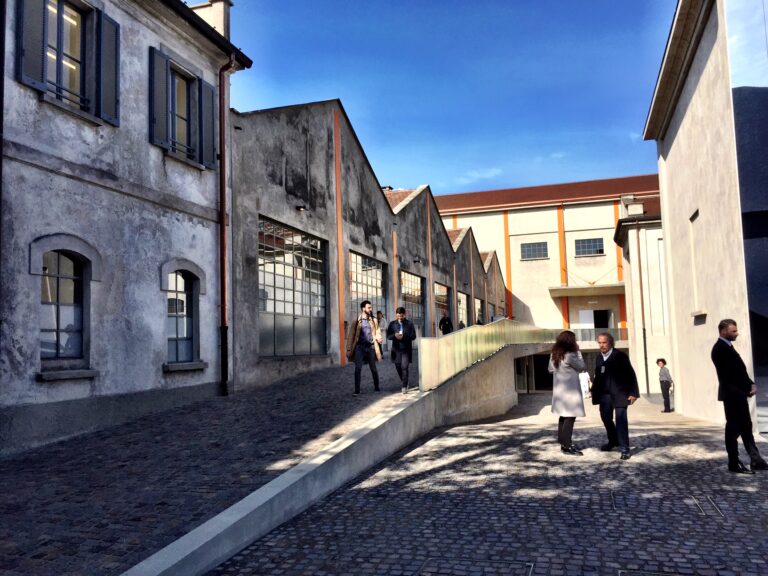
[
  {"x": 558, "y": 155},
  {"x": 635, "y": 136},
  {"x": 475, "y": 175}
]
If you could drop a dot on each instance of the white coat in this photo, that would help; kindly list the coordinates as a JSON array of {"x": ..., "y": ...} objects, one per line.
[{"x": 567, "y": 399}]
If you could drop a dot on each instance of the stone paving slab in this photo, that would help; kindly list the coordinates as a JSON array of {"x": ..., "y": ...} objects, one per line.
[
  {"x": 494, "y": 497},
  {"x": 100, "y": 503}
]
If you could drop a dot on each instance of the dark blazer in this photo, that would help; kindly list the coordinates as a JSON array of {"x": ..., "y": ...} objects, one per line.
[
  {"x": 734, "y": 382},
  {"x": 406, "y": 344},
  {"x": 618, "y": 379}
]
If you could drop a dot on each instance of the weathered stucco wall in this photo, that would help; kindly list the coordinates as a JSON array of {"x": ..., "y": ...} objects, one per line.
[
  {"x": 699, "y": 182},
  {"x": 136, "y": 207}
]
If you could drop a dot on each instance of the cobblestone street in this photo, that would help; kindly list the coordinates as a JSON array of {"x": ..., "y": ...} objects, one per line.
[
  {"x": 97, "y": 504},
  {"x": 500, "y": 498}
]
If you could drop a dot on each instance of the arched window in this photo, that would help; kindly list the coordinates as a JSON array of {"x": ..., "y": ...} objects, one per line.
[
  {"x": 62, "y": 303},
  {"x": 182, "y": 313}
]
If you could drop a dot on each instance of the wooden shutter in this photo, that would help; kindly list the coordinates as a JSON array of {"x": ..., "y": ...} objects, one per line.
[
  {"x": 30, "y": 46},
  {"x": 207, "y": 125},
  {"x": 159, "y": 99},
  {"x": 108, "y": 54}
]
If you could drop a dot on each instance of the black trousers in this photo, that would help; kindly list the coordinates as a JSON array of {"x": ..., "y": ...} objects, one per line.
[
  {"x": 739, "y": 423},
  {"x": 665, "y": 386},
  {"x": 618, "y": 433},
  {"x": 402, "y": 364},
  {"x": 565, "y": 430},
  {"x": 365, "y": 354}
]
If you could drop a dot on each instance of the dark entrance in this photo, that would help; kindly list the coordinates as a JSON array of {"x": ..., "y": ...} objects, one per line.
[
  {"x": 602, "y": 319},
  {"x": 542, "y": 377}
]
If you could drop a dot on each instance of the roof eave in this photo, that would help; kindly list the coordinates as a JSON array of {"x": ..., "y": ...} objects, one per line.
[{"x": 685, "y": 33}]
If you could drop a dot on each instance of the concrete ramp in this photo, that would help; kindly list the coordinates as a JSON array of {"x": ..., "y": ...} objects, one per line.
[{"x": 484, "y": 390}]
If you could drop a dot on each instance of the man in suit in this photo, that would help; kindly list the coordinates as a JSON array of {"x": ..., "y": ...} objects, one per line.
[
  {"x": 364, "y": 344},
  {"x": 735, "y": 386},
  {"x": 614, "y": 388},
  {"x": 402, "y": 334}
]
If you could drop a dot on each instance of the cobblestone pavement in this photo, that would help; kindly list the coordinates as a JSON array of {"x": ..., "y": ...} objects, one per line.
[
  {"x": 97, "y": 504},
  {"x": 499, "y": 498}
]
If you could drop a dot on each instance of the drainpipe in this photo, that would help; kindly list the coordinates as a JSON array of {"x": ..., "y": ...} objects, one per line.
[
  {"x": 223, "y": 323},
  {"x": 2, "y": 126}
]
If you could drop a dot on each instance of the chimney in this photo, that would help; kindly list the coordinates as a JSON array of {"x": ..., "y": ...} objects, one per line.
[{"x": 215, "y": 13}]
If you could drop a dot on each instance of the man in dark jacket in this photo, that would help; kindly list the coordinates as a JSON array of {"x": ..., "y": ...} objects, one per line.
[
  {"x": 614, "y": 388},
  {"x": 445, "y": 325},
  {"x": 402, "y": 334},
  {"x": 735, "y": 386}
]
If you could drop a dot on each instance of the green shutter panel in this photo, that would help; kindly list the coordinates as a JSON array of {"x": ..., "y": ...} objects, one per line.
[
  {"x": 159, "y": 99},
  {"x": 207, "y": 125},
  {"x": 31, "y": 43},
  {"x": 108, "y": 55}
]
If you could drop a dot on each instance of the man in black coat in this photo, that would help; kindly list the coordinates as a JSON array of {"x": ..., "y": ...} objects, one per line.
[
  {"x": 735, "y": 386},
  {"x": 614, "y": 388},
  {"x": 402, "y": 334}
]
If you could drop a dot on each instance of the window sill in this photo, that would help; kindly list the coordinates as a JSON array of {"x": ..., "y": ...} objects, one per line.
[
  {"x": 55, "y": 375},
  {"x": 184, "y": 160},
  {"x": 184, "y": 366},
  {"x": 699, "y": 314},
  {"x": 590, "y": 256},
  {"x": 533, "y": 259},
  {"x": 76, "y": 112}
]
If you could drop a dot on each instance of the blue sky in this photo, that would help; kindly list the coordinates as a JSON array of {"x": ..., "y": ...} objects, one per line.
[{"x": 467, "y": 95}]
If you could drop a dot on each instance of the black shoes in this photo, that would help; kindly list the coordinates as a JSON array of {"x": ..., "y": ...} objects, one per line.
[
  {"x": 625, "y": 455},
  {"x": 571, "y": 450},
  {"x": 739, "y": 469},
  {"x": 759, "y": 465},
  {"x": 607, "y": 447}
]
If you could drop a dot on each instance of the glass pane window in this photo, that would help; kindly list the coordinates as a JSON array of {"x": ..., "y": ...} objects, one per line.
[
  {"x": 590, "y": 247},
  {"x": 462, "y": 301},
  {"x": 533, "y": 251},
  {"x": 291, "y": 290},
  {"x": 411, "y": 287},
  {"x": 179, "y": 321},
  {"x": 441, "y": 295},
  {"x": 61, "y": 306},
  {"x": 65, "y": 53},
  {"x": 479, "y": 311},
  {"x": 366, "y": 282},
  {"x": 180, "y": 88}
]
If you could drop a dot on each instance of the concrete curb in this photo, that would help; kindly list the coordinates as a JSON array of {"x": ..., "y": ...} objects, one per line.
[
  {"x": 291, "y": 493},
  {"x": 481, "y": 391}
]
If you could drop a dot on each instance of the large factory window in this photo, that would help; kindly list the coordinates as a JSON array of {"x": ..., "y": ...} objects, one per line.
[{"x": 292, "y": 291}]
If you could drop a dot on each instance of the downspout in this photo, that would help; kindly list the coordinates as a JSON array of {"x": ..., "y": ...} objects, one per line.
[
  {"x": 2, "y": 129},
  {"x": 223, "y": 322}
]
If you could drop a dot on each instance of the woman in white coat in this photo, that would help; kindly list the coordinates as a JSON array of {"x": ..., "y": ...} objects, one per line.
[{"x": 565, "y": 363}]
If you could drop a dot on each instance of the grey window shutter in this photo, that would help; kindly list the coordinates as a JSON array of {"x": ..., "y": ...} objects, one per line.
[
  {"x": 108, "y": 54},
  {"x": 31, "y": 40},
  {"x": 159, "y": 99},
  {"x": 207, "y": 124}
]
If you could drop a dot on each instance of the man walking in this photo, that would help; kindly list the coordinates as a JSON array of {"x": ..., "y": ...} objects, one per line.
[
  {"x": 445, "y": 325},
  {"x": 364, "y": 344},
  {"x": 735, "y": 386},
  {"x": 614, "y": 388},
  {"x": 402, "y": 334}
]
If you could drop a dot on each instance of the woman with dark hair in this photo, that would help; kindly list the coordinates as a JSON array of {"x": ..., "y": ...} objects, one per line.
[{"x": 565, "y": 363}]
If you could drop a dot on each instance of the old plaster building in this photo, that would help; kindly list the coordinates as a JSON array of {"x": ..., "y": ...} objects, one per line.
[
  {"x": 709, "y": 117},
  {"x": 560, "y": 264},
  {"x": 111, "y": 245},
  {"x": 315, "y": 234}
]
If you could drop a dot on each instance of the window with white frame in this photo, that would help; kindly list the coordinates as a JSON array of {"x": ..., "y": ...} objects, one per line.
[
  {"x": 590, "y": 247},
  {"x": 366, "y": 282},
  {"x": 182, "y": 311}
]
